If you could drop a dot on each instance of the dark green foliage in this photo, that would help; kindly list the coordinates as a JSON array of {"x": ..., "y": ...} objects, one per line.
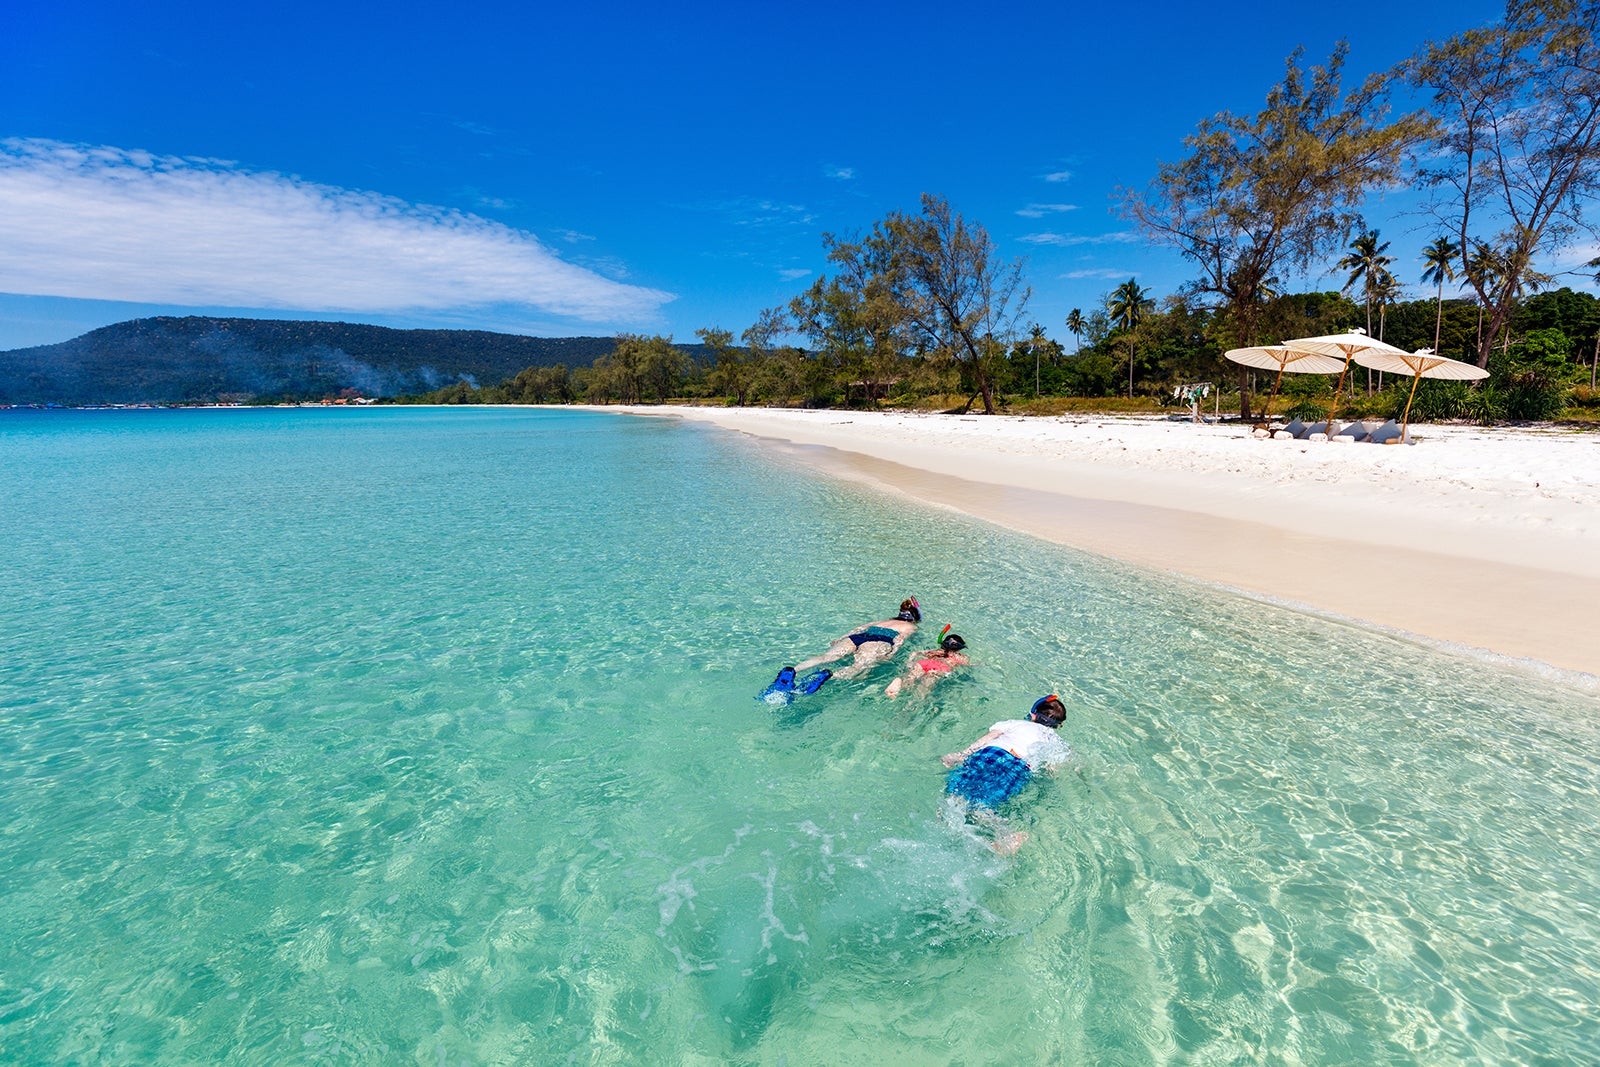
[
  {"x": 1094, "y": 373},
  {"x": 1307, "y": 411},
  {"x": 1534, "y": 376},
  {"x": 531, "y": 385},
  {"x": 1435, "y": 400},
  {"x": 1309, "y": 315},
  {"x": 1408, "y": 325},
  {"x": 1485, "y": 404},
  {"x": 1577, "y": 315},
  {"x": 459, "y": 393},
  {"x": 536, "y": 385}
]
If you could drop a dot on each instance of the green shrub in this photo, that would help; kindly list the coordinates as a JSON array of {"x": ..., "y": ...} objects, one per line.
[
  {"x": 1377, "y": 406},
  {"x": 1307, "y": 411},
  {"x": 1435, "y": 400},
  {"x": 1484, "y": 405},
  {"x": 1534, "y": 403},
  {"x": 1534, "y": 377},
  {"x": 1307, "y": 386},
  {"x": 1584, "y": 396}
]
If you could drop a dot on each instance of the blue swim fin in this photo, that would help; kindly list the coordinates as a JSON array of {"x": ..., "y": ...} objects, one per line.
[
  {"x": 781, "y": 691},
  {"x": 814, "y": 682}
]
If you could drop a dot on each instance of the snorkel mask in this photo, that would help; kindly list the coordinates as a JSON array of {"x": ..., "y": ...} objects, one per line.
[
  {"x": 1044, "y": 715},
  {"x": 910, "y": 610},
  {"x": 953, "y": 643}
]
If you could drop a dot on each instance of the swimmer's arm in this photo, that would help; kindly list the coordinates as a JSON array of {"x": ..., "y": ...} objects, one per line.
[
  {"x": 954, "y": 758},
  {"x": 1052, "y": 764}
]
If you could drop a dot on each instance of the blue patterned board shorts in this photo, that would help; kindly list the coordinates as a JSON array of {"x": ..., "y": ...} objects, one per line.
[{"x": 989, "y": 777}]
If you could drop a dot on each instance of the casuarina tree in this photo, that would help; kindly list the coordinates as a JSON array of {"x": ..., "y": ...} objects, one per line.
[{"x": 1260, "y": 194}]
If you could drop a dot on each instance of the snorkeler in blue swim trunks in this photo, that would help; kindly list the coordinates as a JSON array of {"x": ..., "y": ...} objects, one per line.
[
  {"x": 867, "y": 646},
  {"x": 996, "y": 766}
]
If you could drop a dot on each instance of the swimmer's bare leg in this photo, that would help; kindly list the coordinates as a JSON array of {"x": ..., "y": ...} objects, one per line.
[
  {"x": 1007, "y": 844},
  {"x": 867, "y": 657},
  {"x": 1006, "y": 841},
  {"x": 838, "y": 650},
  {"x": 920, "y": 688}
]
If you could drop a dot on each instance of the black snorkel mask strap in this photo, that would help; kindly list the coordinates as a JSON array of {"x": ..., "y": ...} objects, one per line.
[{"x": 1043, "y": 718}]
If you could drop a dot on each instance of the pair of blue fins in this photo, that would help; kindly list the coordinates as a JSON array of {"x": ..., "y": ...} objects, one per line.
[{"x": 785, "y": 685}]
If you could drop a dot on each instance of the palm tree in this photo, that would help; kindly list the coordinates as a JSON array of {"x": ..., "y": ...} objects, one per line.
[
  {"x": 1385, "y": 292},
  {"x": 1036, "y": 341},
  {"x": 1076, "y": 323},
  {"x": 1438, "y": 260},
  {"x": 1127, "y": 307},
  {"x": 1366, "y": 263},
  {"x": 1483, "y": 274}
]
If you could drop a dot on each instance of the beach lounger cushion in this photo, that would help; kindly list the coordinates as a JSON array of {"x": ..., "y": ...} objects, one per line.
[
  {"x": 1389, "y": 431},
  {"x": 1355, "y": 432}
]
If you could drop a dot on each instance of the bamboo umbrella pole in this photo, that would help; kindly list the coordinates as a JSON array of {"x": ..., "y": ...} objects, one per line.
[
  {"x": 1267, "y": 415},
  {"x": 1334, "y": 407},
  {"x": 1405, "y": 420}
]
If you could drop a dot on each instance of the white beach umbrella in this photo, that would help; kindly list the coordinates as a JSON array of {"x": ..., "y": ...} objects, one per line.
[
  {"x": 1342, "y": 346},
  {"x": 1419, "y": 364},
  {"x": 1281, "y": 358}
]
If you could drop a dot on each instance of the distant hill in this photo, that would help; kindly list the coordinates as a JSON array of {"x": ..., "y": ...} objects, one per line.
[{"x": 200, "y": 360}]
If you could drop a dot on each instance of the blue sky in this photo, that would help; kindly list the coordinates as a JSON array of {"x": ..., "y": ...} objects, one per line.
[{"x": 641, "y": 167}]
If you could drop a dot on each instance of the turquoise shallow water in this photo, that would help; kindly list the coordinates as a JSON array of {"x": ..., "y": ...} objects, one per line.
[{"x": 428, "y": 736}]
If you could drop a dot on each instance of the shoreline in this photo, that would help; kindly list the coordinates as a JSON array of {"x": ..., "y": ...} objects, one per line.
[{"x": 1484, "y": 540}]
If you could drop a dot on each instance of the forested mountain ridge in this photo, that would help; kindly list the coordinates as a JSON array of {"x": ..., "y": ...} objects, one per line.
[{"x": 200, "y": 359}]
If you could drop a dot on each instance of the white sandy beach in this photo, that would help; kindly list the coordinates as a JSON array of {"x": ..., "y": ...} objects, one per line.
[{"x": 1487, "y": 538}]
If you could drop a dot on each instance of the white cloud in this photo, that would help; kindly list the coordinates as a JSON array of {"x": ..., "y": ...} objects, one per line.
[
  {"x": 1059, "y": 176},
  {"x": 755, "y": 211},
  {"x": 842, "y": 174},
  {"x": 1064, "y": 240},
  {"x": 111, "y": 224},
  {"x": 1102, "y": 273},
  {"x": 792, "y": 273},
  {"x": 749, "y": 211},
  {"x": 484, "y": 200},
  {"x": 1578, "y": 255},
  {"x": 1039, "y": 211}
]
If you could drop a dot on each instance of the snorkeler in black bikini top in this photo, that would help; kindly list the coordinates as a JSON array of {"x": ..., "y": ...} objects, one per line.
[{"x": 869, "y": 645}]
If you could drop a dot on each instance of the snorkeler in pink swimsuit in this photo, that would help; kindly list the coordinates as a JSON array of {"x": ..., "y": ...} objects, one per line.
[{"x": 930, "y": 666}]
